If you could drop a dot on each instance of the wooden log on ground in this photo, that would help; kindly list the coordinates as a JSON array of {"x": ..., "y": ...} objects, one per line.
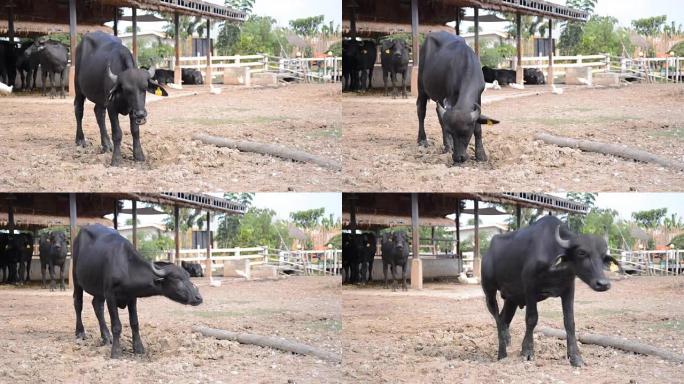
[
  {"x": 609, "y": 149},
  {"x": 268, "y": 149},
  {"x": 614, "y": 342},
  {"x": 267, "y": 341}
]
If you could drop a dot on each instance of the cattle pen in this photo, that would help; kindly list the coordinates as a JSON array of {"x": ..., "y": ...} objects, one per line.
[{"x": 291, "y": 297}]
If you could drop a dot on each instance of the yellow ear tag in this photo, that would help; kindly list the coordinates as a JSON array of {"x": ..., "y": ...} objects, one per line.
[
  {"x": 364, "y": 51},
  {"x": 387, "y": 51},
  {"x": 158, "y": 92},
  {"x": 489, "y": 123}
]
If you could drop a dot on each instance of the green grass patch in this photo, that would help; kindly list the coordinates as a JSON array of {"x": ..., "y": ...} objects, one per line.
[
  {"x": 326, "y": 325},
  {"x": 240, "y": 313},
  {"x": 673, "y": 325},
  {"x": 672, "y": 133}
]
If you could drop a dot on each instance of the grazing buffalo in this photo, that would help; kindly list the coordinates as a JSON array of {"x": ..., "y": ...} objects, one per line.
[
  {"x": 52, "y": 56},
  {"x": 502, "y": 76},
  {"x": 533, "y": 76},
  {"x": 163, "y": 76},
  {"x": 191, "y": 76},
  {"x": 395, "y": 252},
  {"x": 106, "y": 75},
  {"x": 8, "y": 58},
  {"x": 450, "y": 74},
  {"x": 194, "y": 269},
  {"x": 394, "y": 59},
  {"x": 107, "y": 266},
  {"x": 535, "y": 263},
  {"x": 366, "y": 255},
  {"x": 53, "y": 252}
]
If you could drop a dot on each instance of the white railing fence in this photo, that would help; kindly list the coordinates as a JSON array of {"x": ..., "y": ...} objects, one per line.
[{"x": 653, "y": 263}]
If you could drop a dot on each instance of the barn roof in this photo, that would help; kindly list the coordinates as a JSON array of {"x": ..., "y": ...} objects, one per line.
[{"x": 33, "y": 29}]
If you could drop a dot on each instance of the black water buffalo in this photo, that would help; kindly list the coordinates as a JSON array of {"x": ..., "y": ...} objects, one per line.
[
  {"x": 53, "y": 59},
  {"x": 394, "y": 59},
  {"x": 106, "y": 75},
  {"x": 368, "y": 53},
  {"x": 358, "y": 61},
  {"x": 395, "y": 252},
  {"x": 535, "y": 263},
  {"x": 107, "y": 266},
  {"x": 450, "y": 74},
  {"x": 4, "y": 261},
  {"x": 28, "y": 61},
  {"x": 191, "y": 76},
  {"x": 350, "y": 260},
  {"x": 366, "y": 256},
  {"x": 163, "y": 76},
  {"x": 194, "y": 269},
  {"x": 502, "y": 76},
  {"x": 8, "y": 58},
  {"x": 18, "y": 254},
  {"x": 53, "y": 252},
  {"x": 533, "y": 76},
  {"x": 350, "y": 57}
]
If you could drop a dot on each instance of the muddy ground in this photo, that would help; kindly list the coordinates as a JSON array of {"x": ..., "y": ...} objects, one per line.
[
  {"x": 445, "y": 335},
  {"x": 379, "y": 137},
  {"x": 37, "y": 343},
  {"x": 38, "y": 151}
]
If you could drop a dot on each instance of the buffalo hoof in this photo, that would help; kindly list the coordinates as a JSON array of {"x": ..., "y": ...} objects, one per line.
[
  {"x": 106, "y": 148},
  {"x": 138, "y": 348},
  {"x": 527, "y": 354},
  {"x": 116, "y": 161},
  {"x": 576, "y": 361},
  {"x": 404, "y": 96},
  {"x": 138, "y": 156},
  {"x": 106, "y": 340},
  {"x": 62, "y": 287},
  {"x": 80, "y": 335},
  {"x": 423, "y": 143},
  {"x": 81, "y": 142},
  {"x": 116, "y": 353},
  {"x": 447, "y": 150},
  {"x": 502, "y": 355},
  {"x": 480, "y": 156},
  {"x": 405, "y": 289}
]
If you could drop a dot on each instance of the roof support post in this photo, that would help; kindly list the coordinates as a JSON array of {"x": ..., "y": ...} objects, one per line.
[
  {"x": 176, "y": 234},
  {"x": 135, "y": 224},
  {"x": 177, "y": 74},
  {"x": 116, "y": 21},
  {"x": 476, "y": 238},
  {"x": 134, "y": 18},
  {"x": 416, "y": 262},
  {"x": 458, "y": 235},
  {"x": 352, "y": 228},
  {"x": 415, "y": 49},
  {"x": 116, "y": 215},
  {"x": 72, "y": 41},
  {"x": 209, "y": 78},
  {"x": 209, "y": 244},
  {"x": 519, "y": 74},
  {"x": 352, "y": 23},
  {"x": 10, "y": 28},
  {"x": 458, "y": 21},
  {"x": 550, "y": 77},
  {"x": 477, "y": 31},
  {"x": 518, "y": 215},
  {"x": 72, "y": 234}
]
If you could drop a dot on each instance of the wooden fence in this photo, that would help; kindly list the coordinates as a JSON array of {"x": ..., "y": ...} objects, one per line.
[{"x": 653, "y": 263}]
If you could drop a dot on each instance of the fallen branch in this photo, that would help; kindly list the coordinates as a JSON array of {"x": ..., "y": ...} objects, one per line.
[
  {"x": 268, "y": 149},
  {"x": 609, "y": 149},
  {"x": 614, "y": 342},
  {"x": 266, "y": 341}
]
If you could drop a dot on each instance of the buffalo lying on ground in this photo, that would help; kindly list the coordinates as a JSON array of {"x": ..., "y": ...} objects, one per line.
[
  {"x": 535, "y": 263},
  {"x": 107, "y": 266},
  {"x": 194, "y": 269},
  {"x": 106, "y": 75}
]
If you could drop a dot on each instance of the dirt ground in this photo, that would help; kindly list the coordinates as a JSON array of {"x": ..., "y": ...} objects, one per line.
[
  {"x": 37, "y": 343},
  {"x": 39, "y": 154},
  {"x": 445, "y": 335},
  {"x": 379, "y": 137}
]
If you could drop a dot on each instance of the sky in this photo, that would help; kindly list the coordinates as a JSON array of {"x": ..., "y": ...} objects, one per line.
[
  {"x": 623, "y": 203},
  {"x": 282, "y": 203}
]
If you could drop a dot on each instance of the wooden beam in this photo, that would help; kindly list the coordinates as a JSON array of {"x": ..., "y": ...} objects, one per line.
[
  {"x": 457, "y": 27},
  {"x": 414, "y": 32},
  {"x": 209, "y": 78},
  {"x": 518, "y": 215},
  {"x": 116, "y": 215},
  {"x": 550, "y": 79},
  {"x": 134, "y": 18},
  {"x": 72, "y": 234},
  {"x": 352, "y": 23},
  {"x": 10, "y": 30},
  {"x": 209, "y": 244},
  {"x": 177, "y": 73},
  {"x": 176, "y": 234},
  {"x": 477, "y": 30},
  {"x": 458, "y": 229},
  {"x": 135, "y": 224},
  {"x": 116, "y": 21},
  {"x": 416, "y": 262},
  {"x": 519, "y": 75},
  {"x": 72, "y": 41},
  {"x": 476, "y": 238}
]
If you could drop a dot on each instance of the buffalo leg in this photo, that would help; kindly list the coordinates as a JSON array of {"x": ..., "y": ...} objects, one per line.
[
  {"x": 22, "y": 270},
  {"x": 42, "y": 273},
  {"x": 404, "y": 287},
  {"x": 28, "y": 270},
  {"x": 43, "y": 76},
  {"x": 78, "y": 307},
  {"x": 393, "y": 74},
  {"x": 384, "y": 80},
  {"x": 98, "y": 307},
  {"x": 385, "y": 266},
  {"x": 116, "y": 136},
  {"x": 116, "y": 325},
  {"x": 370, "y": 268},
  {"x": 403, "y": 85},
  {"x": 447, "y": 138},
  {"x": 568, "y": 299},
  {"x": 370, "y": 78},
  {"x": 62, "y": 287},
  {"x": 35, "y": 76},
  {"x": 531, "y": 317},
  {"x": 393, "y": 268},
  {"x": 51, "y": 269},
  {"x": 135, "y": 327},
  {"x": 507, "y": 314},
  {"x": 137, "y": 148},
  {"x": 480, "y": 154},
  {"x": 79, "y": 100},
  {"x": 53, "y": 78},
  {"x": 493, "y": 307},
  {"x": 101, "y": 117},
  {"x": 421, "y": 105},
  {"x": 62, "y": 77}
]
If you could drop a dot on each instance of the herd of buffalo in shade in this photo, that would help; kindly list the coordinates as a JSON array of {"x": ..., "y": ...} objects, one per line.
[
  {"x": 450, "y": 74},
  {"x": 106, "y": 74},
  {"x": 525, "y": 266},
  {"x": 16, "y": 251}
]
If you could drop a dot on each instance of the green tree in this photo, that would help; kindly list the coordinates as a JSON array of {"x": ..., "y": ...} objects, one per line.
[
  {"x": 153, "y": 55},
  {"x": 129, "y": 221},
  {"x": 678, "y": 242},
  {"x": 257, "y": 228},
  {"x": 575, "y": 220},
  {"x": 678, "y": 49},
  {"x": 258, "y": 35},
  {"x": 154, "y": 247},
  {"x": 309, "y": 218},
  {"x": 527, "y": 216},
  {"x": 604, "y": 223},
  {"x": 603, "y": 35},
  {"x": 493, "y": 56},
  {"x": 129, "y": 29},
  {"x": 572, "y": 31},
  {"x": 650, "y": 26},
  {"x": 187, "y": 26},
  {"x": 187, "y": 218},
  {"x": 242, "y": 5},
  {"x": 307, "y": 26},
  {"x": 650, "y": 219},
  {"x": 673, "y": 222},
  {"x": 335, "y": 242},
  {"x": 228, "y": 225}
]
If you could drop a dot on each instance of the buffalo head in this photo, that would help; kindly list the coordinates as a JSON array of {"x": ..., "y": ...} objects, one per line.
[
  {"x": 460, "y": 123},
  {"x": 586, "y": 255},
  {"x": 128, "y": 91},
  {"x": 175, "y": 283}
]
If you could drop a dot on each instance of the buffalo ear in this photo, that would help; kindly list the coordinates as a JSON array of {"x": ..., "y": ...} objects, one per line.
[
  {"x": 559, "y": 263},
  {"x": 158, "y": 280},
  {"x": 486, "y": 120},
  {"x": 154, "y": 88}
]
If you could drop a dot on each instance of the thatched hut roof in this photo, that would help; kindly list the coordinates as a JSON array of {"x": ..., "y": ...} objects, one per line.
[{"x": 31, "y": 29}]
